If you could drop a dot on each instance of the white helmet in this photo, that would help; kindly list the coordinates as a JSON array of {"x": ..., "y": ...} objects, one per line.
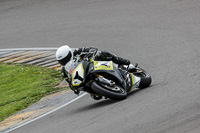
[{"x": 64, "y": 56}]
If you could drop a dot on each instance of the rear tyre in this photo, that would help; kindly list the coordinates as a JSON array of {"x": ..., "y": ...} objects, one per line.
[{"x": 116, "y": 93}]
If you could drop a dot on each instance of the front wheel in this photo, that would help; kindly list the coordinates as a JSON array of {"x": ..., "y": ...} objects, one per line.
[
  {"x": 145, "y": 78},
  {"x": 116, "y": 92}
]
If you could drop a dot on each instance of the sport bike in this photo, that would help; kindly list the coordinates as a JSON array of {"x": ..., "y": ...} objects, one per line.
[{"x": 105, "y": 78}]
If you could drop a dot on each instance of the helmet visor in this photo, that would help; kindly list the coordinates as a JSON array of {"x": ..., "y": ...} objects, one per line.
[{"x": 66, "y": 59}]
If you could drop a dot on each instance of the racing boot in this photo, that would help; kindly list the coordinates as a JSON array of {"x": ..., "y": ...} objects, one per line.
[{"x": 120, "y": 60}]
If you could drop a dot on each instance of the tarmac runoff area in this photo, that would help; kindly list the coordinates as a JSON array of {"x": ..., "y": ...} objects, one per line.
[{"x": 41, "y": 57}]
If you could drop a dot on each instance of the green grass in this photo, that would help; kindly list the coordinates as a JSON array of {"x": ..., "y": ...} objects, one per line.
[{"x": 23, "y": 85}]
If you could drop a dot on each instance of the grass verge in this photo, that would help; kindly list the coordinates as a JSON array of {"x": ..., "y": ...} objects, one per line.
[{"x": 23, "y": 85}]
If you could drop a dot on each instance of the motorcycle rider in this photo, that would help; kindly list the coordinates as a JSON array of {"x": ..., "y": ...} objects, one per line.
[{"x": 64, "y": 56}]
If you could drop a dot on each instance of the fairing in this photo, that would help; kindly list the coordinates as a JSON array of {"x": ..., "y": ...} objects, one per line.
[{"x": 107, "y": 68}]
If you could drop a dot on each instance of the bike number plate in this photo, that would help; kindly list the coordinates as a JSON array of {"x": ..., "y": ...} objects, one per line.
[{"x": 103, "y": 65}]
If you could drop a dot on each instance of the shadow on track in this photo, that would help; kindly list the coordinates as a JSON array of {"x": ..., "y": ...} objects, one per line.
[
  {"x": 97, "y": 105},
  {"x": 104, "y": 102},
  {"x": 138, "y": 90}
]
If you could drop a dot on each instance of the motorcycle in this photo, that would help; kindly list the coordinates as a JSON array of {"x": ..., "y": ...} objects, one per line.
[{"x": 105, "y": 78}]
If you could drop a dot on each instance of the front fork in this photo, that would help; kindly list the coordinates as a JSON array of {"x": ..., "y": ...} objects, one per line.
[{"x": 132, "y": 82}]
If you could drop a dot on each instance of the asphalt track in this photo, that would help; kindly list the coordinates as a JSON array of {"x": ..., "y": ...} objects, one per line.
[{"x": 161, "y": 35}]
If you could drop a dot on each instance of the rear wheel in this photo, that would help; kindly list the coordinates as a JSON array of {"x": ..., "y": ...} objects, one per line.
[{"x": 115, "y": 92}]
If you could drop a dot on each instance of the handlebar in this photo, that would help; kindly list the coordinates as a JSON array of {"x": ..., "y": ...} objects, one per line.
[{"x": 86, "y": 55}]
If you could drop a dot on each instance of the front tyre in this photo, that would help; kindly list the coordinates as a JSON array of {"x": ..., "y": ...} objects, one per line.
[
  {"x": 115, "y": 93},
  {"x": 145, "y": 78}
]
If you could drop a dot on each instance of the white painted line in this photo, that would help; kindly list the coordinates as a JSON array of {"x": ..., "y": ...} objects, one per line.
[
  {"x": 32, "y": 49},
  {"x": 46, "y": 113},
  {"x": 27, "y": 49}
]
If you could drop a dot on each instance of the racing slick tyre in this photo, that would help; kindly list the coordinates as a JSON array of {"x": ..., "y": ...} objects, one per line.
[
  {"x": 116, "y": 92},
  {"x": 145, "y": 78}
]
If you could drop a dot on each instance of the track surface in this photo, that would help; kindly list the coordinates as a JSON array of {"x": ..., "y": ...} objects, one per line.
[{"x": 161, "y": 35}]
